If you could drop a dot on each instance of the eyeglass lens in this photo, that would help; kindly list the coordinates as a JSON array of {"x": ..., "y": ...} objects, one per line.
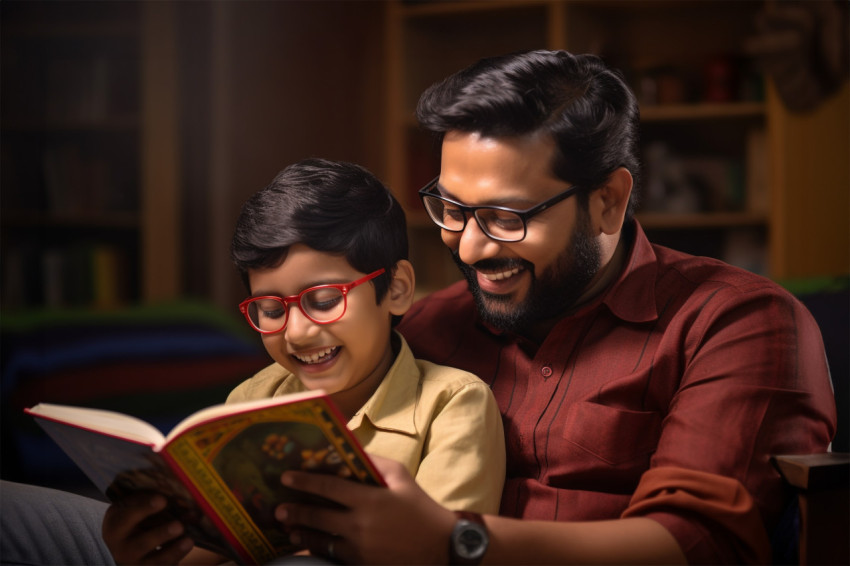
[
  {"x": 322, "y": 305},
  {"x": 496, "y": 223}
]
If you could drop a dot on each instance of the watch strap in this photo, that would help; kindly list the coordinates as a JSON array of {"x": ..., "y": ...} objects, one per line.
[{"x": 470, "y": 516}]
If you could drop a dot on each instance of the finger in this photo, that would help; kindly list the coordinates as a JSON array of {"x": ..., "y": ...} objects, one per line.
[
  {"x": 171, "y": 552},
  {"x": 391, "y": 470},
  {"x": 321, "y": 544},
  {"x": 136, "y": 537},
  {"x": 153, "y": 546},
  {"x": 324, "y": 520},
  {"x": 159, "y": 537},
  {"x": 343, "y": 491},
  {"x": 125, "y": 515}
]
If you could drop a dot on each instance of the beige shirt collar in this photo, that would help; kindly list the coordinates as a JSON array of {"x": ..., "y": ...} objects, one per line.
[{"x": 384, "y": 409}]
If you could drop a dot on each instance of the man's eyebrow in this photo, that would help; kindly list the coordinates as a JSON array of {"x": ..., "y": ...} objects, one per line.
[{"x": 505, "y": 202}]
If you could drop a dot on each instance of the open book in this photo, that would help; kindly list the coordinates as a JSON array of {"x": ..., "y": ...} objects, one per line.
[{"x": 220, "y": 467}]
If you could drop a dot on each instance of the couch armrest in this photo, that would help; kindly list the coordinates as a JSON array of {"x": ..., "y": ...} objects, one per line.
[{"x": 822, "y": 482}]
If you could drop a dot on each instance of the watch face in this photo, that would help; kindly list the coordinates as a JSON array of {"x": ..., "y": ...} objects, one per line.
[{"x": 471, "y": 541}]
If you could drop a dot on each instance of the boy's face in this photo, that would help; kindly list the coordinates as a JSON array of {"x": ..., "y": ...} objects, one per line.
[{"x": 348, "y": 357}]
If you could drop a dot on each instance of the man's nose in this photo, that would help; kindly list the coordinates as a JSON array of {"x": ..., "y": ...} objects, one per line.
[{"x": 475, "y": 245}]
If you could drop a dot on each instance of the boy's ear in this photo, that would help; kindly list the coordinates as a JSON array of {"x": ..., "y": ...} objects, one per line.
[
  {"x": 608, "y": 203},
  {"x": 402, "y": 286}
]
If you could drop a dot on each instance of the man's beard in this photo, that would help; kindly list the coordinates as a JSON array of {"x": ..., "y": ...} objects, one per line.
[{"x": 557, "y": 290}]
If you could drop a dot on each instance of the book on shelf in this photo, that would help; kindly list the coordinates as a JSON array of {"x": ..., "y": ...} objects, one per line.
[
  {"x": 219, "y": 468},
  {"x": 758, "y": 157}
]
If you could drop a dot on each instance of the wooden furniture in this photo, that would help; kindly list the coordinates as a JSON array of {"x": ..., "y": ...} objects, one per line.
[
  {"x": 767, "y": 190},
  {"x": 90, "y": 155},
  {"x": 823, "y": 485}
]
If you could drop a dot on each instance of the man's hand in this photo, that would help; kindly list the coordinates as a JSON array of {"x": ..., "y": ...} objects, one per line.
[
  {"x": 138, "y": 531},
  {"x": 398, "y": 525}
]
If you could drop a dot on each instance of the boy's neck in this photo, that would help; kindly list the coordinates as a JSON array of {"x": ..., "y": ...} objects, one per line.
[{"x": 352, "y": 400}]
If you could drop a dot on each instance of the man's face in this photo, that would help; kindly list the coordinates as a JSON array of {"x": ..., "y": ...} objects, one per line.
[{"x": 517, "y": 284}]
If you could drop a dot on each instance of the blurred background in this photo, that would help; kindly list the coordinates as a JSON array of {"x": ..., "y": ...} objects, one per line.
[{"x": 133, "y": 131}]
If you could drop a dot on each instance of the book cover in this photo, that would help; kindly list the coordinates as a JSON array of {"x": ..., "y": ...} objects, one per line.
[{"x": 220, "y": 468}]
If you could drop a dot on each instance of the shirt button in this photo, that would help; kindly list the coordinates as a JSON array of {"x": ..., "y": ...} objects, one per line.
[{"x": 546, "y": 371}]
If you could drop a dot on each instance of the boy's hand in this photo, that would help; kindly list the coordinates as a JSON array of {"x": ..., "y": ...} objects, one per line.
[{"x": 138, "y": 531}]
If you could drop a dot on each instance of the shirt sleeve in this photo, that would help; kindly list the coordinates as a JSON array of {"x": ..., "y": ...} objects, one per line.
[
  {"x": 756, "y": 384},
  {"x": 723, "y": 505},
  {"x": 463, "y": 460}
]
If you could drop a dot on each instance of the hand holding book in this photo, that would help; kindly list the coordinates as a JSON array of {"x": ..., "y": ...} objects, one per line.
[{"x": 220, "y": 468}]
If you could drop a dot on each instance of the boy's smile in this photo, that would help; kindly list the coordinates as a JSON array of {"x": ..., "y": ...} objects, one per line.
[
  {"x": 347, "y": 358},
  {"x": 323, "y": 356}
]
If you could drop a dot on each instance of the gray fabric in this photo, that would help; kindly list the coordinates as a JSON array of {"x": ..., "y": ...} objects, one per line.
[{"x": 41, "y": 526}]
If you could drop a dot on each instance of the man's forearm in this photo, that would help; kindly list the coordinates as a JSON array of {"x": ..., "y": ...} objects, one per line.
[{"x": 620, "y": 541}]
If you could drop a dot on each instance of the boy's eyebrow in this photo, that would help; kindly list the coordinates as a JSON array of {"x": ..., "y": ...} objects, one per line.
[{"x": 270, "y": 293}]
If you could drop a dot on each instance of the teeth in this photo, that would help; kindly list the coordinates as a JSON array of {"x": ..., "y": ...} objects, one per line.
[
  {"x": 315, "y": 356},
  {"x": 502, "y": 275}
]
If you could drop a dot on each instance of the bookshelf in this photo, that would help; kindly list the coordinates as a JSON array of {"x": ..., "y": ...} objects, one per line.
[
  {"x": 717, "y": 177},
  {"x": 77, "y": 131}
]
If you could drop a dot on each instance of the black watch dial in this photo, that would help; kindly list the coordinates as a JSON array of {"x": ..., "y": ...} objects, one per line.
[{"x": 470, "y": 541}]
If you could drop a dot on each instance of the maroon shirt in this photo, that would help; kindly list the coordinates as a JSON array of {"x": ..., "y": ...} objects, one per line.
[{"x": 685, "y": 366}]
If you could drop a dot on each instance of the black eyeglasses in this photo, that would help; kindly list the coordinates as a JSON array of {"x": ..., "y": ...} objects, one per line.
[
  {"x": 323, "y": 304},
  {"x": 497, "y": 222}
]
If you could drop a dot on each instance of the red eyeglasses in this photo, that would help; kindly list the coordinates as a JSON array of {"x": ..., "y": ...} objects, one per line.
[{"x": 323, "y": 304}]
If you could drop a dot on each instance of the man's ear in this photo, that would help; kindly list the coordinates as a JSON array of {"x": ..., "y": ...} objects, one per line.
[
  {"x": 400, "y": 294},
  {"x": 608, "y": 204}
]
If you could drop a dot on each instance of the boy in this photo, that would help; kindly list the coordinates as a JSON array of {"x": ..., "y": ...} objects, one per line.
[{"x": 323, "y": 253}]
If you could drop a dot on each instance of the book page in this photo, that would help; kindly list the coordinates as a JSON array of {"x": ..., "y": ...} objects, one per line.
[
  {"x": 107, "y": 422},
  {"x": 222, "y": 410}
]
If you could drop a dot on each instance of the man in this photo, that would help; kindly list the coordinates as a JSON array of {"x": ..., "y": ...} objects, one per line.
[{"x": 642, "y": 390}]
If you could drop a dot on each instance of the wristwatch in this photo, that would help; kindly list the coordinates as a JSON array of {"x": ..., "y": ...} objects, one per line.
[{"x": 469, "y": 540}]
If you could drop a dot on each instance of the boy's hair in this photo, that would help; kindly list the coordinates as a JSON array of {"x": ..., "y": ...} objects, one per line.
[
  {"x": 585, "y": 107},
  {"x": 329, "y": 206}
]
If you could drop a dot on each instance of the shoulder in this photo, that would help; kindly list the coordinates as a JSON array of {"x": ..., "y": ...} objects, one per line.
[
  {"x": 706, "y": 301},
  {"x": 671, "y": 281},
  {"x": 447, "y": 377},
  {"x": 453, "y": 302},
  {"x": 706, "y": 283},
  {"x": 265, "y": 383},
  {"x": 437, "y": 323},
  {"x": 447, "y": 389}
]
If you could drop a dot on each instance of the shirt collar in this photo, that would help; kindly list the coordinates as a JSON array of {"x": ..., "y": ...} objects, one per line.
[
  {"x": 386, "y": 409},
  {"x": 632, "y": 296}
]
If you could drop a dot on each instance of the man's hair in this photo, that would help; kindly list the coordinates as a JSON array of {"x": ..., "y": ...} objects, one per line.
[
  {"x": 586, "y": 107},
  {"x": 329, "y": 206}
]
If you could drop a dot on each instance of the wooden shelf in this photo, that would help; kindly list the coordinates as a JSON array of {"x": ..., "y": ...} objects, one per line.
[
  {"x": 84, "y": 151},
  {"x": 107, "y": 125},
  {"x": 680, "y": 112},
  {"x": 90, "y": 220},
  {"x": 424, "y": 9},
  {"x": 672, "y": 221}
]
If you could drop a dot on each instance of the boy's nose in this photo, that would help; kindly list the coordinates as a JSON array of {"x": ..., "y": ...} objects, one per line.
[{"x": 298, "y": 326}]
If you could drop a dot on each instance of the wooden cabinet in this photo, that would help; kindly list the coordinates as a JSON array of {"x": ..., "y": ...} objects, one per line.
[
  {"x": 716, "y": 142},
  {"x": 86, "y": 155}
]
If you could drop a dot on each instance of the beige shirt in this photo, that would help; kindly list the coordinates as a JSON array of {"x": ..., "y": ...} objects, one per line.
[{"x": 442, "y": 423}]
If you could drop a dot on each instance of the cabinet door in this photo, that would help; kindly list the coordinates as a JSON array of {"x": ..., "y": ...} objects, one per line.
[
  {"x": 426, "y": 43},
  {"x": 70, "y": 149}
]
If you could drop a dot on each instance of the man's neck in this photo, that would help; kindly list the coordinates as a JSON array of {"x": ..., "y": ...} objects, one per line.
[{"x": 606, "y": 275}]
